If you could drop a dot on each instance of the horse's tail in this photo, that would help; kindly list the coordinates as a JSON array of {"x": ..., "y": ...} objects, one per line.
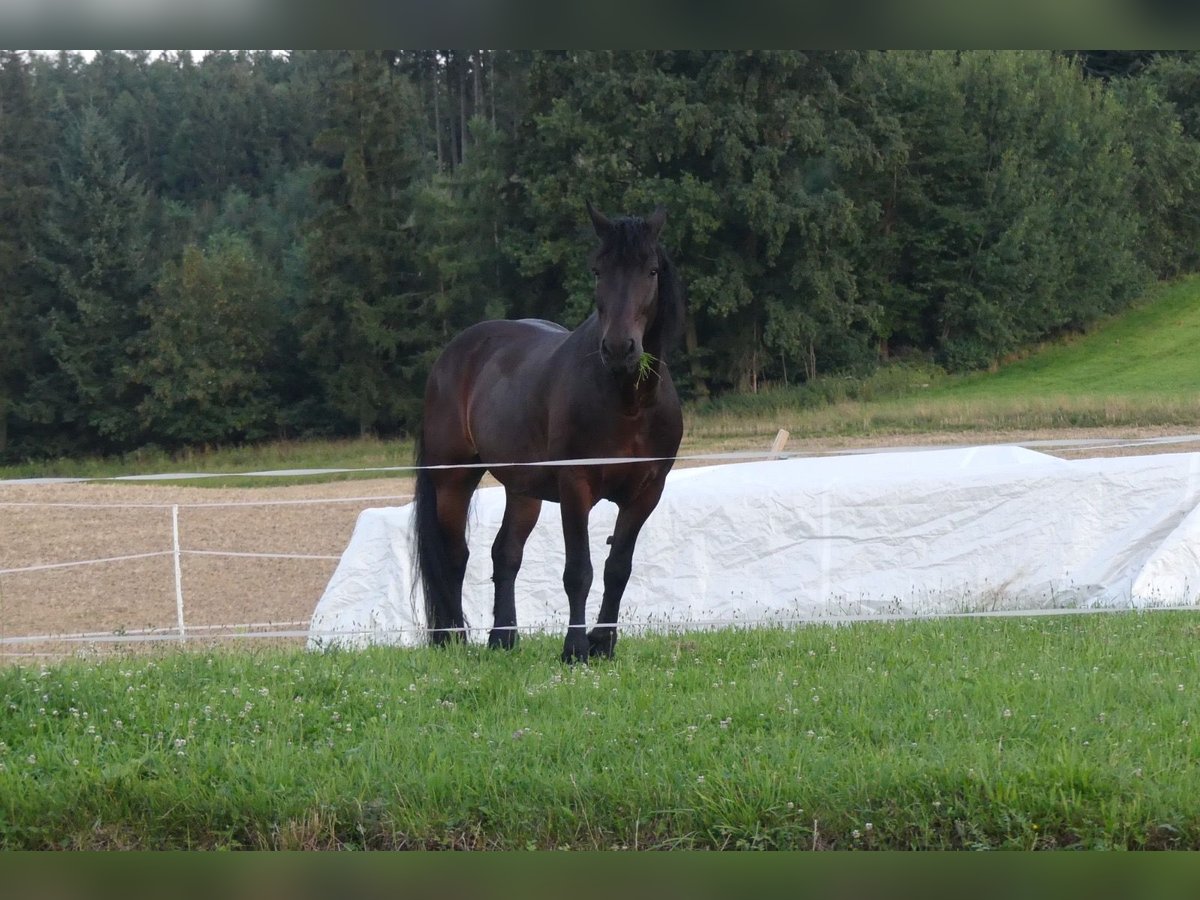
[{"x": 433, "y": 565}]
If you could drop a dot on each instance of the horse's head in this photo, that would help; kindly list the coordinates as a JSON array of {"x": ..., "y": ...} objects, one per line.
[{"x": 626, "y": 266}]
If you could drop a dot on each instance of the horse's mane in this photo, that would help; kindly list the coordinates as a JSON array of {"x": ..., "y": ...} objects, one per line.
[
  {"x": 629, "y": 242},
  {"x": 668, "y": 325}
]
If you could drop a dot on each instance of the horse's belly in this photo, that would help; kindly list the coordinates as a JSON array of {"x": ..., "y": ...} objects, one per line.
[
  {"x": 622, "y": 483},
  {"x": 539, "y": 482},
  {"x": 619, "y": 483}
]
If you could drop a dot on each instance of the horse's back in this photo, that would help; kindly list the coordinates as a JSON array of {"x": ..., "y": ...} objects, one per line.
[
  {"x": 487, "y": 388},
  {"x": 543, "y": 324},
  {"x": 499, "y": 347},
  {"x": 496, "y": 334}
]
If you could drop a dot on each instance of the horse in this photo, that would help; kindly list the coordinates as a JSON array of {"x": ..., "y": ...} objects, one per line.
[{"x": 505, "y": 394}]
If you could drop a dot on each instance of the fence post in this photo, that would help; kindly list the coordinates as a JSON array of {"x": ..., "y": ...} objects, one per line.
[
  {"x": 178, "y": 570},
  {"x": 780, "y": 439}
]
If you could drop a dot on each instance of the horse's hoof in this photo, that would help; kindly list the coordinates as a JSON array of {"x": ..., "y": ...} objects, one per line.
[
  {"x": 575, "y": 650},
  {"x": 602, "y": 642},
  {"x": 504, "y": 639}
]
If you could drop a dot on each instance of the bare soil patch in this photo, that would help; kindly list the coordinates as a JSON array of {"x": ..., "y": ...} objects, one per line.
[{"x": 102, "y": 520}]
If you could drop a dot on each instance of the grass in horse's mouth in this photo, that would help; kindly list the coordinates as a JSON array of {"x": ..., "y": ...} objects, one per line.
[{"x": 644, "y": 366}]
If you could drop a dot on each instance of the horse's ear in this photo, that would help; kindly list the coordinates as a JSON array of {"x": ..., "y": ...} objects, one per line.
[
  {"x": 656, "y": 220},
  {"x": 599, "y": 221}
]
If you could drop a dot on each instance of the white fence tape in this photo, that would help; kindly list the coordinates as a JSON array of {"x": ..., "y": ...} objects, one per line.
[
  {"x": 405, "y": 470},
  {"x": 84, "y": 562},
  {"x": 257, "y": 555},
  {"x": 199, "y": 504},
  {"x": 169, "y": 632}
]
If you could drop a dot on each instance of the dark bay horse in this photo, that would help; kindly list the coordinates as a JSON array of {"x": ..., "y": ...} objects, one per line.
[{"x": 529, "y": 391}]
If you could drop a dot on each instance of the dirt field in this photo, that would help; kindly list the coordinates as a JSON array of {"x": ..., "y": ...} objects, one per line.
[
  {"x": 102, "y": 520},
  {"x": 139, "y": 594}
]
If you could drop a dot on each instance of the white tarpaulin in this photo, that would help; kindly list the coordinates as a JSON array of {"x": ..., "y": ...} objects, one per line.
[{"x": 937, "y": 531}]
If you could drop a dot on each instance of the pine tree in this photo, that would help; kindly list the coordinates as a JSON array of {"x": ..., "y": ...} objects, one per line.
[
  {"x": 23, "y": 189},
  {"x": 94, "y": 257},
  {"x": 364, "y": 327},
  {"x": 459, "y": 217},
  {"x": 331, "y": 219}
]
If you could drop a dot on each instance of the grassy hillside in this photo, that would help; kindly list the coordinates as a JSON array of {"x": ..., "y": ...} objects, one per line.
[
  {"x": 1136, "y": 369},
  {"x": 1153, "y": 349}
]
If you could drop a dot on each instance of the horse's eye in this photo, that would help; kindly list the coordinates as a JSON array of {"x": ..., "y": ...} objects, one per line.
[{"x": 654, "y": 273}]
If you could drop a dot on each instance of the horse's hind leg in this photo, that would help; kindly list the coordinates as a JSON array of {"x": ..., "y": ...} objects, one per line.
[
  {"x": 520, "y": 515},
  {"x": 454, "y": 489}
]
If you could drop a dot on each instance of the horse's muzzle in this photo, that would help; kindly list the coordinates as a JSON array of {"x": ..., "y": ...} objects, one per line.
[{"x": 621, "y": 360}]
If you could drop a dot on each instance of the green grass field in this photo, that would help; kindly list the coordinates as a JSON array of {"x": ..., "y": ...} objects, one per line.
[{"x": 1074, "y": 731}]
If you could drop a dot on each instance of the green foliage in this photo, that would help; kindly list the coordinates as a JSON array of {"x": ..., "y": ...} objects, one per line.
[
  {"x": 1132, "y": 370},
  {"x": 898, "y": 380},
  {"x": 365, "y": 326},
  {"x": 1163, "y": 130},
  {"x": 24, "y": 183},
  {"x": 740, "y": 149},
  {"x": 1011, "y": 208},
  {"x": 459, "y": 220},
  {"x": 208, "y": 350},
  {"x": 828, "y": 211}
]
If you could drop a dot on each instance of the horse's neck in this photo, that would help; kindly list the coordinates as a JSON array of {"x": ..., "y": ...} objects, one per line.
[{"x": 655, "y": 346}]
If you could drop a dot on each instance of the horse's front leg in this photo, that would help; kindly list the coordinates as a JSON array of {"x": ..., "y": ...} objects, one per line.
[
  {"x": 602, "y": 640},
  {"x": 576, "y": 500},
  {"x": 520, "y": 515}
]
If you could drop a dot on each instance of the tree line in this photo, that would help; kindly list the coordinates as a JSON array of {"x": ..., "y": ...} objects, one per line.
[{"x": 245, "y": 246}]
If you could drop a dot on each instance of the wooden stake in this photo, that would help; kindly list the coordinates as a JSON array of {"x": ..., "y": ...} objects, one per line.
[{"x": 780, "y": 440}]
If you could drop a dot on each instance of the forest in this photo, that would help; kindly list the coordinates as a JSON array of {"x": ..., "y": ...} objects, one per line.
[{"x": 244, "y": 246}]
